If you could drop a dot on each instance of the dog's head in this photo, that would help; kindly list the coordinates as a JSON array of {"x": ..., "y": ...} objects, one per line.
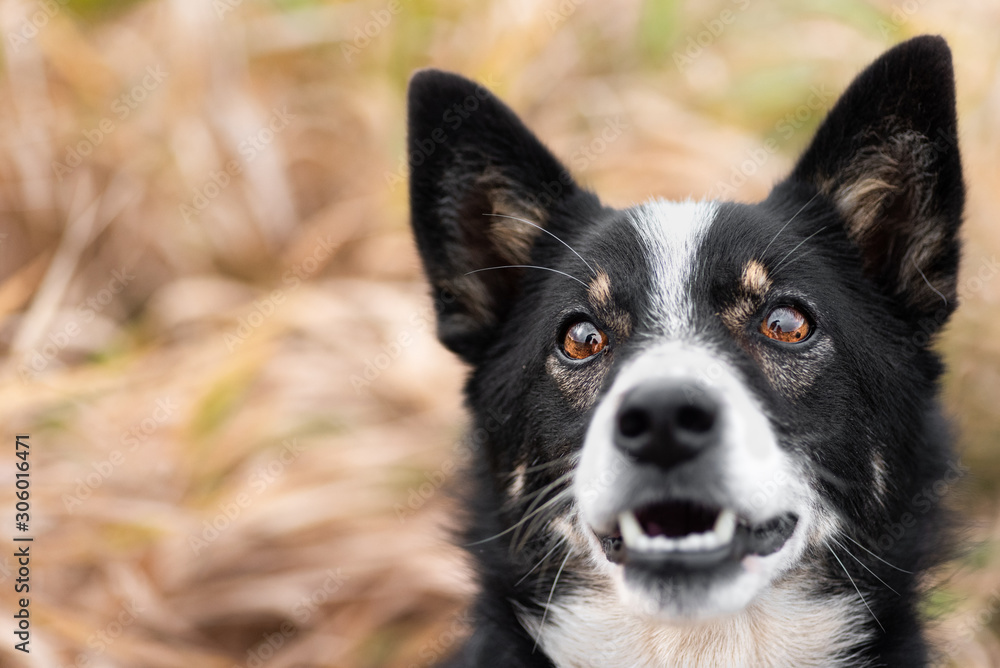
[{"x": 702, "y": 396}]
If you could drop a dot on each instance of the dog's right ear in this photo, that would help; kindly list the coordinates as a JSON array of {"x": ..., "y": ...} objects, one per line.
[{"x": 474, "y": 168}]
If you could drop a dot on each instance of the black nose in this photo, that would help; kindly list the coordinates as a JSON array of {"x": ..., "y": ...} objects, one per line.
[{"x": 666, "y": 424}]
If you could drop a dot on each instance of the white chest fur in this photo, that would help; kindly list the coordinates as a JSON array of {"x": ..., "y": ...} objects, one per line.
[{"x": 785, "y": 627}]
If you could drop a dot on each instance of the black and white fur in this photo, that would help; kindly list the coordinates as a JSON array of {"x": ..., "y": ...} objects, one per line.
[{"x": 818, "y": 452}]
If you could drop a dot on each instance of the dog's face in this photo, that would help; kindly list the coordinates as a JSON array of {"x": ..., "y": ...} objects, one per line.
[
  {"x": 700, "y": 398},
  {"x": 690, "y": 480}
]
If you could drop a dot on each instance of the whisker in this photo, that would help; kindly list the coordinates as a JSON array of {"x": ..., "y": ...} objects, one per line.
[
  {"x": 789, "y": 222},
  {"x": 798, "y": 257},
  {"x": 549, "y": 487},
  {"x": 549, "y": 601},
  {"x": 844, "y": 548},
  {"x": 855, "y": 588},
  {"x": 540, "y": 561},
  {"x": 522, "y": 521},
  {"x": 540, "y": 519},
  {"x": 779, "y": 265},
  {"x": 929, "y": 283},
  {"x": 875, "y": 555},
  {"x": 526, "y": 266},
  {"x": 539, "y": 227},
  {"x": 561, "y": 479},
  {"x": 834, "y": 479},
  {"x": 555, "y": 462}
]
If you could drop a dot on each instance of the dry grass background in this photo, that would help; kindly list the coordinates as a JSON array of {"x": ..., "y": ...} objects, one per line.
[{"x": 179, "y": 367}]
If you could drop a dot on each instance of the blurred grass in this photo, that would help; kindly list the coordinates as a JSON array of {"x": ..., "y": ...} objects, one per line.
[{"x": 317, "y": 214}]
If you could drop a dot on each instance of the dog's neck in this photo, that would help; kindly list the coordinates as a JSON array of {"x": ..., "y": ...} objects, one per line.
[{"x": 787, "y": 626}]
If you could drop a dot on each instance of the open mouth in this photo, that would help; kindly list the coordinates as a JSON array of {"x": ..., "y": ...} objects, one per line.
[{"x": 693, "y": 535}]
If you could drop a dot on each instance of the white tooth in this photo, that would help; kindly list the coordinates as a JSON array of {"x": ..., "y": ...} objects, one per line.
[
  {"x": 663, "y": 544},
  {"x": 632, "y": 533},
  {"x": 725, "y": 526},
  {"x": 692, "y": 543},
  {"x": 643, "y": 543},
  {"x": 634, "y": 537}
]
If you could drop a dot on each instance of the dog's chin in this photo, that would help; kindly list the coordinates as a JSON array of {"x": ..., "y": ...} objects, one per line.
[
  {"x": 701, "y": 575},
  {"x": 691, "y": 597}
]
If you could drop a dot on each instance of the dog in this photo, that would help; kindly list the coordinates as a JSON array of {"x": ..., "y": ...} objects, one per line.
[{"x": 706, "y": 432}]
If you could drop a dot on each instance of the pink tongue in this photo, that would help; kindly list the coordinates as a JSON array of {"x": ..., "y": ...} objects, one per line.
[
  {"x": 653, "y": 529},
  {"x": 675, "y": 519}
]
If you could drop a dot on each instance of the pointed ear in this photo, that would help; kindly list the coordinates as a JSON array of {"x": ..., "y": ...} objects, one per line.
[
  {"x": 470, "y": 156},
  {"x": 887, "y": 156}
]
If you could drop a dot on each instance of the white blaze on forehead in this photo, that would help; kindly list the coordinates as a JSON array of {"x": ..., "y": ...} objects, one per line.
[{"x": 671, "y": 233}]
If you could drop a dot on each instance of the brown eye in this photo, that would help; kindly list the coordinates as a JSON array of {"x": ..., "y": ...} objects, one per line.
[
  {"x": 584, "y": 340},
  {"x": 785, "y": 324}
]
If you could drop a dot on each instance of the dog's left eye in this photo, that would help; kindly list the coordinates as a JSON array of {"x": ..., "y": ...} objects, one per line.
[
  {"x": 785, "y": 323},
  {"x": 584, "y": 340}
]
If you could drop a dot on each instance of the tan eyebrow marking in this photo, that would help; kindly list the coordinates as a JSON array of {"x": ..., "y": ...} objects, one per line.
[
  {"x": 754, "y": 284},
  {"x": 599, "y": 295},
  {"x": 599, "y": 291},
  {"x": 755, "y": 278}
]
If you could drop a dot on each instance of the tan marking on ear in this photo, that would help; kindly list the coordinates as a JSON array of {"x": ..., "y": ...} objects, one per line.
[
  {"x": 894, "y": 179},
  {"x": 512, "y": 239},
  {"x": 505, "y": 204},
  {"x": 599, "y": 291},
  {"x": 877, "y": 177},
  {"x": 860, "y": 202},
  {"x": 755, "y": 278}
]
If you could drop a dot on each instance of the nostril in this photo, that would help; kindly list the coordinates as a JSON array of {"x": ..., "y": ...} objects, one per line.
[
  {"x": 633, "y": 422},
  {"x": 694, "y": 419}
]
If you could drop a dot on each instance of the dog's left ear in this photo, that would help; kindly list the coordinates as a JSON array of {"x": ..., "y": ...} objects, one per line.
[{"x": 887, "y": 156}]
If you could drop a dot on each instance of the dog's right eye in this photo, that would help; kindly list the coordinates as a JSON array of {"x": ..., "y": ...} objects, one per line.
[{"x": 583, "y": 339}]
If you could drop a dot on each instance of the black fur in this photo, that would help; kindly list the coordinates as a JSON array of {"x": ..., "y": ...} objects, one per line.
[{"x": 875, "y": 272}]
